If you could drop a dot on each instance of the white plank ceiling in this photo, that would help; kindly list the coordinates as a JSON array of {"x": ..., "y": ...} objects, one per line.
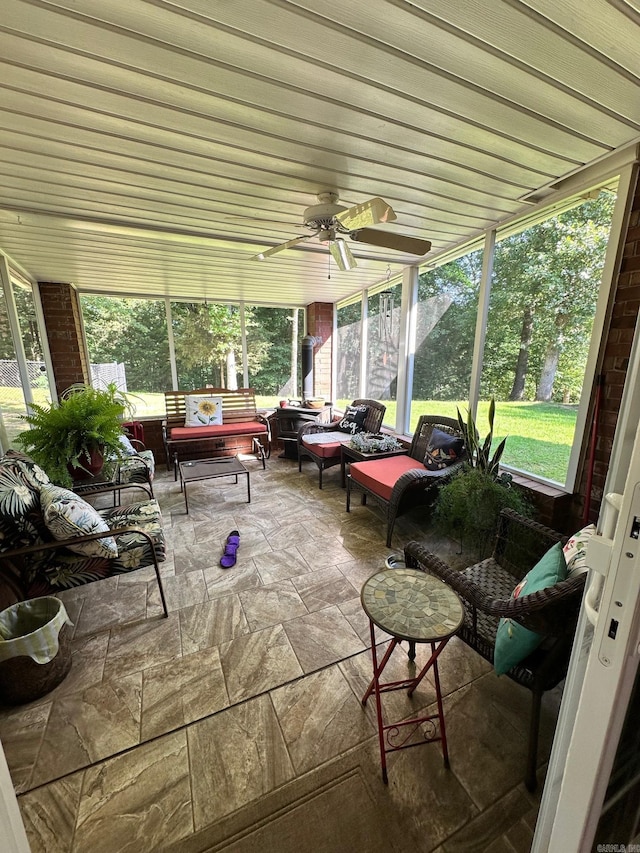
[{"x": 153, "y": 147}]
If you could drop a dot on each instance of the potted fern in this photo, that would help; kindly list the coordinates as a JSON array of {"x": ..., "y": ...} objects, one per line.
[
  {"x": 71, "y": 438},
  {"x": 467, "y": 507}
]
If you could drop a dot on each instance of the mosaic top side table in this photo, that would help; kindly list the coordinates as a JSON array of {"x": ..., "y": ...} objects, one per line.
[{"x": 409, "y": 605}]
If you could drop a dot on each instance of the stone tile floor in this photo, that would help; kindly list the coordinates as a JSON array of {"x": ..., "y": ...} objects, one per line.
[{"x": 166, "y": 729}]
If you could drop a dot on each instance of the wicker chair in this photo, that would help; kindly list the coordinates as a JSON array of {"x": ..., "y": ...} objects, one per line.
[
  {"x": 485, "y": 590},
  {"x": 327, "y": 454},
  {"x": 403, "y": 482}
]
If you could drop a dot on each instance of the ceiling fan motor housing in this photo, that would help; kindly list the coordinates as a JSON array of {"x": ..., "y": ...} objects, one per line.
[{"x": 321, "y": 217}]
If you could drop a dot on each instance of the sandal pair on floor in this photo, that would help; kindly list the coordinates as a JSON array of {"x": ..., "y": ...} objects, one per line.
[{"x": 228, "y": 559}]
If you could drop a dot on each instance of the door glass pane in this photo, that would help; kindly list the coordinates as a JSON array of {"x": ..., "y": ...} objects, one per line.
[
  {"x": 445, "y": 328},
  {"x": 37, "y": 371},
  {"x": 546, "y": 282},
  {"x": 128, "y": 344},
  {"x": 274, "y": 341},
  {"x": 620, "y": 816},
  {"x": 12, "y": 397},
  {"x": 348, "y": 354},
  {"x": 383, "y": 342},
  {"x": 12, "y": 404}
]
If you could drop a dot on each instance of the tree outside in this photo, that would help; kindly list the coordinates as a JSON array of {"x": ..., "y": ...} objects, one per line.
[{"x": 544, "y": 292}]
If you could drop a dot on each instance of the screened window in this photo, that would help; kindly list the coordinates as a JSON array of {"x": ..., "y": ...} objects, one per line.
[
  {"x": 128, "y": 344},
  {"x": 348, "y": 354},
  {"x": 445, "y": 328},
  {"x": 274, "y": 340},
  {"x": 383, "y": 340},
  {"x": 545, "y": 287},
  {"x": 208, "y": 344}
]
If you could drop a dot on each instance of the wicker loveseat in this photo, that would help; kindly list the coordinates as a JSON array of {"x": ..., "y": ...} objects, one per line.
[
  {"x": 35, "y": 561},
  {"x": 402, "y": 482},
  {"x": 486, "y": 590}
]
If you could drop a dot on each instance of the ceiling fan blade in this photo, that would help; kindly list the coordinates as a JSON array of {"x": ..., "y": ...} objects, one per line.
[
  {"x": 288, "y": 245},
  {"x": 368, "y": 213},
  {"x": 341, "y": 254},
  {"x": 387, "y": 240}
]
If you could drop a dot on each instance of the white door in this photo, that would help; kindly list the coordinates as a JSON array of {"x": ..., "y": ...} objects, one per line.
[
  {"x": 14, "y": 838},
  {"x": 591, "y": 799}
]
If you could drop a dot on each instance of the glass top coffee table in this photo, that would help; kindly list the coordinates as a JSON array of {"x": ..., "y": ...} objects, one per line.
[
  {"x": 211, "y": 469},
  {"x": 414, "y": 606}
]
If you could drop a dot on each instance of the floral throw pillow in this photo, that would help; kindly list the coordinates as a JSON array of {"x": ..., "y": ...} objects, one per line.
[
  {"x": 203, "y": 411},
  {"x": 353, "y": 419},
  {"x": 443, "y": 450},
  {"x": 67, "y": 515},
  {"x": 575, "y": 551},
  {"x": 127, "y": 447}
]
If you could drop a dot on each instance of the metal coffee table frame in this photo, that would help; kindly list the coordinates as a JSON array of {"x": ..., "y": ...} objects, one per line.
[
  {"x": 409, "y": 605},
  {"x": 211, "y": 469}
]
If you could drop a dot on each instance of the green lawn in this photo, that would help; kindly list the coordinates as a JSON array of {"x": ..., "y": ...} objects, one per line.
[{"x": 539, "y": 435}]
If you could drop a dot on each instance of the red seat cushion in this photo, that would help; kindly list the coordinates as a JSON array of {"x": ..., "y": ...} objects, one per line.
[
  {"x": 218, "y": 430},
  {"x": 381, "y": 475},
  {"x": 328, "y": 450}
]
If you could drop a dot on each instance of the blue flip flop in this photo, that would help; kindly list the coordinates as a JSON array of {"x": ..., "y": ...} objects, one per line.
[{"x": 228, "y": 559}]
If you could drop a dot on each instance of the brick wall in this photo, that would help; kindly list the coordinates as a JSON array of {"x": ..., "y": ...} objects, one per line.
[
  {"x": 615, "y": 352},
  {"x": 61, "y": 310},
  {"x": 320, "y": 325}
]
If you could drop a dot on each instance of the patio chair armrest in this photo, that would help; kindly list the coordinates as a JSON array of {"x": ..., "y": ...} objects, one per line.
[
  {"x": 418, "y": 557},
  {"x": 416, "y": 476},
  {"x": 62, "y": 543},
  {"x": 264, "y": 420}
]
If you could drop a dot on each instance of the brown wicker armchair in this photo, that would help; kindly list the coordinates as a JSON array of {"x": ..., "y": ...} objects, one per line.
[
  {"x": 327, "y": 454},
  {"x": 485, "y": 590},
  {"x": 403, "y": 482}
]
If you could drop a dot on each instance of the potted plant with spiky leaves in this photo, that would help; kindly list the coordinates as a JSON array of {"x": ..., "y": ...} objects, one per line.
[{"x": 468, "y": 506}]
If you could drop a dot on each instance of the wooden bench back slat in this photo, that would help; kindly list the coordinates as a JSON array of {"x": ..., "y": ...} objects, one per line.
[{"x": 237, "y": 406}]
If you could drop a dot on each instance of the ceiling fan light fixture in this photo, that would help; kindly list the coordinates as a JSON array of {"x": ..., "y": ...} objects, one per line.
[
  {"x": 341, "y": 253},
  {"x": 327, "y": 235}
]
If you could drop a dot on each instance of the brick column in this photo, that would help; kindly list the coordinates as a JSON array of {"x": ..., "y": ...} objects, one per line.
[
  {"x": 616, "y": 350},
  {"x": 69, "y": 358},
  {"x": 320, "y": 325}
]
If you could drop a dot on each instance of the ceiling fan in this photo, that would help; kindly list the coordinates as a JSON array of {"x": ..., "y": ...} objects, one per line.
[{"x": 328, "y": 220}]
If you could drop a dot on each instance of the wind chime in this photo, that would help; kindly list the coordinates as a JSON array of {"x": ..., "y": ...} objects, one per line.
[{"x": 385, "y": 319}]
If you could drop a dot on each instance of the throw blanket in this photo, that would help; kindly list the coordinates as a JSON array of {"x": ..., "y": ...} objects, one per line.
[{"x": 327, "y": 437}]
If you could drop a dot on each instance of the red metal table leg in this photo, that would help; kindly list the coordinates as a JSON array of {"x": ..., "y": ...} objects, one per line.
[{"x": 376, "y": 688}]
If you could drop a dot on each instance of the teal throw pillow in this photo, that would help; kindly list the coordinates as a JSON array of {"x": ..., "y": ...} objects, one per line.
[{"x": 513, "y": 641}]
